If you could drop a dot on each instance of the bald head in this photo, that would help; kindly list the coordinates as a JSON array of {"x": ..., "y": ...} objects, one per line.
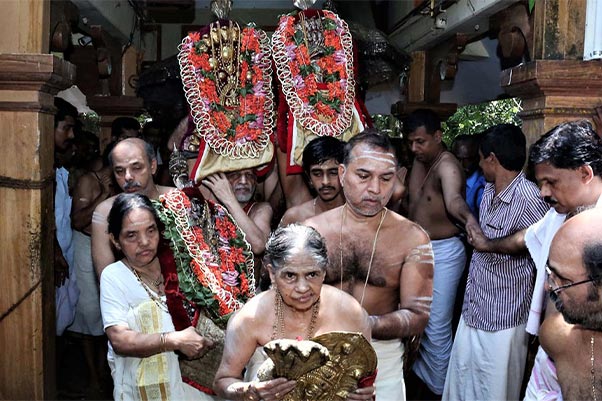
[
  {"x": 575, "y": 264},
  {"x": 136, "y": 143},
  {"x": 579, "y": 231}
]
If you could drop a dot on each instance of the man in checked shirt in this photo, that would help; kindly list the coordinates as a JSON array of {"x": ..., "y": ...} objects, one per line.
[{"x": 489, "y": 352}]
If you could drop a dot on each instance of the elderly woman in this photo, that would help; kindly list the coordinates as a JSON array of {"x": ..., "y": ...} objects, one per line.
[
  {"x": 142, "y": 339},
  {"x": 298, "y": 306}
]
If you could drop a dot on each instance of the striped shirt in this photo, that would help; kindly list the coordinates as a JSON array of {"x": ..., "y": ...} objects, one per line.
[{"x": 500, "y": 286}]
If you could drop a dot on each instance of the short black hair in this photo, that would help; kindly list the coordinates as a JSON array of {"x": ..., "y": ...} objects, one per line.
[
  {"x": 426, "y": 118},
  {"x": 569, "y": 145},
  {"x": 509, "y": 145},
  {"x": 372, "y": 138},
  {"x": 121, "y": 123},
  {"x": 321, "y": 149},
  {"x": 63, "y": 109},
  {"x": 123, "y": 205}
]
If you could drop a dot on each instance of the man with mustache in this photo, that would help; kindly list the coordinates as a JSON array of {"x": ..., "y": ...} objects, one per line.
[
  {"x": 568, "y": 167},
  {"x": 381, "y": 258},
  {"x": 499, "y": 286},
  {"x": 236, "y": 190},
  {"x": 321, "y": 159},
  {"x": 133, "y": 162},
  {"x": 571, "y": 334},
  {"x": 436, "y": 202}
]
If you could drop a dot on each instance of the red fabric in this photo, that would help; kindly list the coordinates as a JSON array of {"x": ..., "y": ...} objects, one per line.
[
  {"x": 199, "y": 387},
  {"x": 368, "y": 381}
]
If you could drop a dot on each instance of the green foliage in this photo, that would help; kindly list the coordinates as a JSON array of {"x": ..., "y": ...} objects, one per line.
[{"x": 476, "y": 118}]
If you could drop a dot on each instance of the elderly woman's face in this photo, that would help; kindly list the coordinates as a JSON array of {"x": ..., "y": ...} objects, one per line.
[
  {"x": 299, "y": 281},
  {"x": 139, "y": 237}
]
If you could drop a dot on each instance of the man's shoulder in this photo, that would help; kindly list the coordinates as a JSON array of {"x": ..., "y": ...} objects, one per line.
[
  {"x": 298, "y": 213},
  {"x": 323, "y": 219},
  {"x": 408, "y": 227},
  {"x": 105, "y": 206}
]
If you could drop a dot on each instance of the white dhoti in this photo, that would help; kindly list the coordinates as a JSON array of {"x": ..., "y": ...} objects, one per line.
[
  {"x": 543, "y": 383},
  {"x": 486, "y": 365},
  {"x": 436, "y": 342},
  {"x": 87, "y": 312},
  {"x": 390, "y": 385}
]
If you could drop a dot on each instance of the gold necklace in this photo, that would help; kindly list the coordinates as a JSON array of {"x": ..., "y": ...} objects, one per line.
[
  {"x": 278, "y": 326},
  {"x": 593, "y": 371},
  {"x": 380, "y": 223},
  {"x": 157, "y": 299}
]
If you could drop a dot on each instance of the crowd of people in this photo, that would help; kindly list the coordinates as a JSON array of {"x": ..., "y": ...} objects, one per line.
[{"x": 362, "y": 248}]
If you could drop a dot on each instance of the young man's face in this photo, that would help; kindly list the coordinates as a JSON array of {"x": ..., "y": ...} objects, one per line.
[
  {"x": 63, "y": 134},
  {"x": 425, "y": 146},
  {"x": 324, "y": 179}
]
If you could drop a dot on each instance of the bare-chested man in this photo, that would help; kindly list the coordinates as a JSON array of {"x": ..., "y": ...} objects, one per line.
[
  {"x": 133, "y": 162},
  {"x": 572, "y": 334},
  {"x": 321, "y": 159},
  {"x": 384, "y": 260},
  {"x": 436, "y": 202}
]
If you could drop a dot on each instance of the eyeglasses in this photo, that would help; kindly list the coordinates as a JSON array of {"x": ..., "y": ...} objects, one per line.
[{"x": 555, "y": 288}]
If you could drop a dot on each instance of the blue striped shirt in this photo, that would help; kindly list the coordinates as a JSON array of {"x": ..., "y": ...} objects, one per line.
[{"x": 500, "y": 286}]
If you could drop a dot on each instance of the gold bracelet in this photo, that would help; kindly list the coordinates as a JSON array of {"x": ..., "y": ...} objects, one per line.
[{"x": 162, "y": 342}]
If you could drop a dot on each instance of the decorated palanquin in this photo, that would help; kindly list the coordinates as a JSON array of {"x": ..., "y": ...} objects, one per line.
[
  {"x": 326, "y": 368},
  {"x": 208, "y": 269},
  {"x": 227, "y": 76},
  {"x": 313, "y": 54}
]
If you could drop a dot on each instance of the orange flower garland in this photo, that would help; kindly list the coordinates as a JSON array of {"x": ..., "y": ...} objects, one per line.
[
  {"x": 219, "y": 283},
  {"x": 241, "y": 130},
  {"x": 323, "y": 111}
]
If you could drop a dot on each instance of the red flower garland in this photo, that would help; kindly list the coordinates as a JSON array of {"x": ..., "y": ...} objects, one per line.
[
  {"x": 242, "y": 131},
  {"x": 324, "y": 109}
]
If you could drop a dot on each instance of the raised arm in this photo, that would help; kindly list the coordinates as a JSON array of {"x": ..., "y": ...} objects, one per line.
[
  {"x": 415, "y": 294},
  {"x": 256, "y": 225},
  {"x": 102, "y": 250},
  {"x": 294, "y": 189}
]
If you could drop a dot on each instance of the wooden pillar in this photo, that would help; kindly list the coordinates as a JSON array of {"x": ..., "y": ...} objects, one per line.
[
  {"x": 29, "y": 77},
  {"x": 557, "y": 86}
]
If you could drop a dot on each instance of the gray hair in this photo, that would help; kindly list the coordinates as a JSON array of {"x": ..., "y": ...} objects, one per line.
[{"x": 288, "y": 240}]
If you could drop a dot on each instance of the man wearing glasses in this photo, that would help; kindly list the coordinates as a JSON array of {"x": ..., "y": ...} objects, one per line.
[
  {"x": 572, "y": 331},
  {"x": 568, "y": 167}
]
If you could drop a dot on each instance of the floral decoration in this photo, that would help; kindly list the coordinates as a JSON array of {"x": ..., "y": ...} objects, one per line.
[
  {"x": 325, "y": 105},
  {"x": 215, "y": 273},
  {"x": 240, "y": 128}
]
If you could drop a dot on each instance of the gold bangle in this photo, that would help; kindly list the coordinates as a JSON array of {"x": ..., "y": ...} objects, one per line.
[{"x": 162, "y": 343}]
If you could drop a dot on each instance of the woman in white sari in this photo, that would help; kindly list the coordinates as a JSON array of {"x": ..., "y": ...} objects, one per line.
[{"x": 142, "y": 338}]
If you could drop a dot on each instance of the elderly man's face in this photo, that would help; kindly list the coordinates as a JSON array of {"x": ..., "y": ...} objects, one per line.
[
  {"x": 243, "y": 183},
  {"x": 132, "y": 168},
  {"x": 580, "y": 303}
]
